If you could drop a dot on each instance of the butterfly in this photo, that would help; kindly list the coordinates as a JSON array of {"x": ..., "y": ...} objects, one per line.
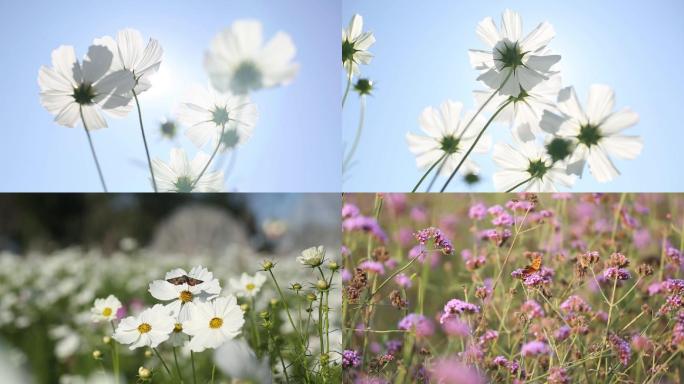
[
  {"x": 534, "y": 266},
  {"x": 185, "y": 279}
]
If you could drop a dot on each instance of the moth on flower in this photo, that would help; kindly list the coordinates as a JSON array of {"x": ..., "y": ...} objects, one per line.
[{"x": 183, "y": 289}]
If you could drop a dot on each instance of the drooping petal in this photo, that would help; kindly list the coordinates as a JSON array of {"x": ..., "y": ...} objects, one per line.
[
  {"x": 68, "y": 116},
  {"x": 600, "y": 103},
  {"x": 93, "y": 118},
  {"x": 601, "y": 167}
]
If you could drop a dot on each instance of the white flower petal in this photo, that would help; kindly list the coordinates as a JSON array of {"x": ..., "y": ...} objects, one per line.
[{"x": 600, "y": 103}]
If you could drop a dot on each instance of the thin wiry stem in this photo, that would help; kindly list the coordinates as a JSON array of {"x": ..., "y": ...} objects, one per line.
[
  {"x": 357, "y": 138},
  {"x": 477, "y": 139},
  {"x": 513, "y": 188},
  {"x": 92, "y": 150},
  {"x": 346, "y": 91},
  {"x": 428, "y": 172},
  {"x": 436, "y": 175},
  {"x": 218, "y": 145},
  {"x": 147, "y": 150}
]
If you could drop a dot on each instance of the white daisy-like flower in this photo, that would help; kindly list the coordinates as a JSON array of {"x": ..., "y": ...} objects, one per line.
[
  {"x": 447, "y": 137},
  {"x": 178, "y": 338},
  {"x": 132, "y": 55},
  {"x": 183, "y": 289},
  {"x": 355, "y": 44},
  {"x": 312, "y": 257},
  {"x": 217, "y": 117},
  {"x": 180, "y": 174},
  {"x": 238, "y": 61},
  {"x": 214, "y": 322},
  {"x": 528, "y": 166},
  {"x": 524, "y": 112},
  {"x": 149, "y": 329},
  {"x": 247, "y": 286},
  {"x": 105, "y": 309},
  {"x": 596, "y": 132},
  {"x": 521, "y": 62},
  {"x": 71, "y": 89}
]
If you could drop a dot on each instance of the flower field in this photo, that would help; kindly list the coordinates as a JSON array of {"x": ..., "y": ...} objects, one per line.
[{"x": 506, "y": 288}]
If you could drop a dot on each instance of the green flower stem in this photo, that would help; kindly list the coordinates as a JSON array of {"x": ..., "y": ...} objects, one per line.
[
  {"x": 282, "y": 298},
  {"x": 147, "y": 150},
  {"x": 477, "y": 139},
  {"x": 218, "y": 145},
  {"x": 428, "y": 171},
  {"x": 92, "y": 150},
  {"x": 255, "y": 331},
  {"x": 175, "y": 359},
  {"x": 513, "y": 188},
  {"x": 166, "y": 367},
  {"x": 280, "y": 355},
  {"x": 213, "y": 372},
  {"x": 346, "y": 91},
  {"x": 436, "y": 175},
  {"x": 357, "y": 138},
  {"x": 192, "y": 361},
  {"x": 115, "y": 355},
  {"x": 320, "y": 323}
]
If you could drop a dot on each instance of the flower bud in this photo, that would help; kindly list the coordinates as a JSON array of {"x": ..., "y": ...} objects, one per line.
[
  {"x": 333, "y": 266},
  {"x": 144, "y": 373},
  {"x": 106, "y": 340},
  {"x": 322, "y": 285},
  {"x": 244, "y": 307},
  {"x": 267, "y": 265},
  {"x": 97, "y": 354},
  {"x": 311, "y": 297},
  {"x": 148, "y": 353}
]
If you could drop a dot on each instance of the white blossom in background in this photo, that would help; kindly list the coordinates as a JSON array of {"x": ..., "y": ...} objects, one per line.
[
  {"x": 238, "y": 60},
  {"x": 596, "y": 132},
  {"x": 212, "y": 323},
  {"x": 355, "y": 44},
  {"x": 71, "y": 89},
  {"x": 528, "y": 168},
  {"x": 525, "y": 112},
  {"x": 105, "y": 309},
  {"x": 149, "y": 329},
  {"x": 521, "y": 62},
  {"x": 246, "y": 285},
  {"x": 446, "y": 135},
  {"x": 312, "y": 257},
  {"x": 180, "y": 174},
  {"x": 182, "y": 296},
  {"x": 217, "y": 118},
  {"x": 237, "y": 360},
  {"x": 132, "y": 55}
]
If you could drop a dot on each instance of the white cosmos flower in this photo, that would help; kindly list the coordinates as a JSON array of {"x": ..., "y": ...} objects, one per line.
[
  {"x": 596, "y": 132},
  {"x": 247, "y": 286},
  {"x": 355, "y": 44},
  {"x": 524, "y": 61},
  {"x": 529, "y": 167},
  {"x": 183, "y": 294},
  {"x": 446, "y": 134},
  {"x": 237, "y": 360},
  {"x": 312, "y": 257},
  {"x": 180, "y": 174},
  {"x": 214, "y": 322},
  {"x": 525, "y": 111},
  {"x": 149, "y": 329},
  {"x": 131, "y": 54},
  {"x": 70, "y": 88},
  {"x": 238, "y": 61},
  {"x": 212, "y": 117},
  {"x": 105, "y": 309}
]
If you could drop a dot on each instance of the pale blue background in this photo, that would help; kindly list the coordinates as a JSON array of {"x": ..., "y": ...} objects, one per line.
[
  {"x": 421, "y": 59},
  {"x": 295, "y": 146}
]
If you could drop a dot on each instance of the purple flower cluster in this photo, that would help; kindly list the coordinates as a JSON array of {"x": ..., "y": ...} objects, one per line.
[
  {"x": 354, "y": 221},
  {"x": 457, "y": 307},
  {"x": 612, "y": 273},
  {"x": 417, "y": 323},
  {"x": 511, "y": 366},
  {"x": 575, "y": 304},
  {"x": 441, "y": 242},
  {"x": 558, "y": 375},
  {"x": 350, "y": 359},
  {"x": 621, "y": 348},
  {"x": 535, "y": 348},
  {"x": 532, "y": 309}
]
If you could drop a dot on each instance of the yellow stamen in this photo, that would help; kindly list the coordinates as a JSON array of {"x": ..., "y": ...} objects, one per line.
[
  {"x": 250, "y": 286},
  {"x": 185, "y": 296},
  {"x": 144, "y": 328},
  {"x": 178, "y": 328},
  {"x": 215, "y": 323},
  {"x": 107, "y": 312}
]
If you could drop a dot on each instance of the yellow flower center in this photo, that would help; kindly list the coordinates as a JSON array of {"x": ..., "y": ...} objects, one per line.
[
  {"x": 107, "y": 312},
  {"x": 215, "y": 323},
  {"x": 185, "y": 296},
  {"x": 250, "y": 286},
  {"x": 144, "y": 328},
  {"x": 178, "y": 328}
]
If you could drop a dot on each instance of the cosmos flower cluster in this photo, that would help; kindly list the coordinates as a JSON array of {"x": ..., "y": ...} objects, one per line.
[{"x": 554, "y": 137}]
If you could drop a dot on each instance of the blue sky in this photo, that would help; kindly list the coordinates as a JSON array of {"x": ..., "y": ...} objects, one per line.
[
  {"x": 421, "y": 60},
  {"x": 295, "y": 146}
]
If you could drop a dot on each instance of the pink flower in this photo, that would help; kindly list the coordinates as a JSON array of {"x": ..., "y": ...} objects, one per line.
[
  {"x": 453, "y": 326},
  {"x": 419, "y": 324},
  {"x": 373, "y": 267},
  {"x": 402, "y": 280},
  {"x": 532, "y": 309},
  {"x": 452, "y": 371},
  {"x": 477, "y": 211},
  {"x": 535, "y": 348},
  {"x": 457, "y": 307}
]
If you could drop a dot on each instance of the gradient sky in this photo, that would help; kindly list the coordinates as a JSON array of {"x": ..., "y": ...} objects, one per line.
[
  {"x": 421, "y": 59},
  {"x": 295, "y": 146}
]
